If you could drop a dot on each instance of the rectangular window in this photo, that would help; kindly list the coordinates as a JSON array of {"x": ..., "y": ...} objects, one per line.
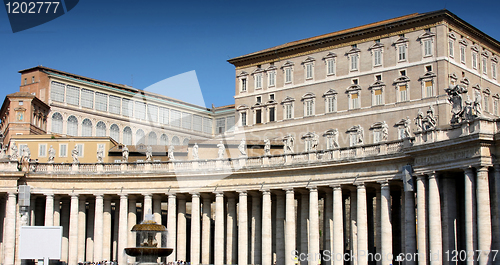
[
  {"x": 57, "y": 92},
  {"x": 63, "y": 150},
  {"x": 32, "y": 79},
  {"x": 376, "y": 137},
  {"x": 272, "y": 113},
  {"x": 353, "y": 139},
  {"x": 377, "y": 57},
  {"x": 428, "y": 88},
  {"x": 474, "y": 60},
  {"x": 259, "y": 99},
  {"x": 80, "y": 149},
  {"x": 220, "y": 124},
  {"x": 378, "y": 97},
  {"x": 485, "y": 67},
  {"x": 271, "y": 96},
  {"x": 186, "y": 121},
  {"x": 127, "y": 107},
  {"x": 197, "y": 123},
  {"x": 403, "y": 93},
  {"x": 309, "y": 108},
  {"x": 244, "y": 84},
  {"x": 354, "y": 101},
  {"x": 272, "y": 78},
  {"x": 114, "y": 104},
  {"x": 258, "y": 116},
  {"x": 140, "y": 110},
  {"x": 243, "y": 119},
  {"x": 87, "y": 98},
  {"x": 288, "y": 111},
  {"x": 495, "y": 107},
  {"x": 258, "y": 81},
  {"x": 331, "y": 67},
  {"x": 176, "y": 118},
  {"x": 486, "y": 101},
  {"x": 494, "y": 70},
  {"x": 42, "y": 150},
  {"x": 402, "y": 52},
  {"x": 427, "y": 47},
  {"x": 330, "y": 102},
  {"x": 164, "y": 115},
  {"x": 101, "y": 101},
  {"x": 288, "y": 75},
  {"x": 462, "y": 54},
  {"x": 354, "y": 62},
  {"x": 401, "y": 133},
  {"x": 207, "y": 125},
  {"x": 230, "y": 123},
  {"x": 309, "y": 71},
  {"x": 450, "y": 47},
  {"x": 152, "y": 113},
  {"x": 73, "y": 95}
]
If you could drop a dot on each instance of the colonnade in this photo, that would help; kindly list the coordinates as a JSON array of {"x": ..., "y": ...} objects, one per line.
[{"x": 362, "y": 222}]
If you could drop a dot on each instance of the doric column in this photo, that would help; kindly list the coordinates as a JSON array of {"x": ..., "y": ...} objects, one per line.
[
  {"x": 81, "y": 228},
  {"x": 106, "y": 235},
  {"x": 354, "y": 225},
  {"x": 9, "y": 240},
  {"x": 98, "y": 227},
  {"x": 231, "y": 236},
  {"x": 49, "y": 209},
  {"x": 304, "y": 218},
  {"x": 280, "y": 229},
  {"x": 421, "y": 220},
  {"x": 131, "y": 221},
  {"x": 181, "y": 229},
  {"x": 290, "y": 227},
  {"x": 256, "y": 231},
  {"x": 385, "y": 223},
  {"x": 65, "y": 224},
  {"x": 195, "y": 228},
  {"x": 435, "y": 239},
  {"x": 243, "y": 228},
  {"x": 57, "y": 210},
  {"x": 496, "y": 198},
  {"x": 205, "y": 232},
  {"x": 483, "y": 216},
  {"x": 410, "y": 238},
  {"x": 157, "y": 216},
  {"x": 378, "y": 228},
  {"x": 338, "y": 226},
  {"x": 267, "y": 243},
  {"x": 148, "y": 205},
  {"x": 219, "y": 229},
  {"x": 73, "y": 231},
  {"x": 172, "y": 226},
  {"x": 362, "y": 226},
  {"x": 328, "y": 224},
  {"x": 32, "y": 209},
  {"x": 89, "y": 236},
  {"x": 313, "y": 226},
  {"x": 122, "y": 228},
  {"x": 469, "y": 214}
]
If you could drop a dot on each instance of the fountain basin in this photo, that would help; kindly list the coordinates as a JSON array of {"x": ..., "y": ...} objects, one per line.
[{"x": 148, "y": 251}]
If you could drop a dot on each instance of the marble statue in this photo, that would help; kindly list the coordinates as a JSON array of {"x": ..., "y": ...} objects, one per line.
[
  {"x": 385, "y": 131},
  {"x": 171, "y": 152},
  {"x": 149, "y": 153},
  {"x": 314, "y": 142},
  {"x": 222, "y": 149},
  {"x": 360, "y": 134},
  {"x": 26, "y": 154},
  {"x": 477, "y": 105},
  {"x": 242, "y": 147},
  {"x": 288, "y": 144},
  {"x": 407, "y": 130},
  {"x": 52, "y": 154},
  {"x": 195, "y": 152},
  {"x": 267, "y": 147},
  {"x": 419, "y": 120},
  {"x": 125, "y": 153},
  {"x": 430, "y": 121},
  {"x": 100, "y": 154},
  {"x": 456, "y": 99},
  {"x": 74, "y": 154},
  {"x": 14, "y": 155}
]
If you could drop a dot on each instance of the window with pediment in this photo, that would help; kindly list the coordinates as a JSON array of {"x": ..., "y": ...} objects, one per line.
[
  {"x": 486, "y": 99},
  {"x": 308, "y": 64},
  {"x": 474, "y": 54},
  {"x": 376, "y": 50},
  {"x": 484, "y": 58},
  {"x": 380, "y": 131},
  {"x": 287, "y": 104},
  {"x": 271, "y": 109},
  {"x": 271, "y": 75},
  {"x": 243, "y": 81},
  {"x": 332, "y": 138},
  {"x": 496, "y": 98},
  {"x": 243, "y": 115},
  {"x": 309, "y": 100},
  {"x": 330, "y": 63},
  {"x": 353, "y": 56},
  {"x": 427, "y": 40},
  {"x": 463, "y": 50},
  {"x": 494, "y": 62},
  {"x": 353, "y": 93},
  {"x": 401, "y": 46},
  {"x": 402, "y": 85},
  {"x": 356, "y": 135},
  {"x": 257, "y": 76},
  {"x": 377, "y": 89},
  {"x": 311, "y": 141},
  {"x": 288, "y": 72},
  {"x": 258, "y": 111},
  {"x": 427, "y": 81},
  {"x": 330, "y": 100},
  {"x": 451, "y": 44}
]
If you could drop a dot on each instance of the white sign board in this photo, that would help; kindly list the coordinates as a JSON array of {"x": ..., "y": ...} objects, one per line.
[{"x": 40, "y": 242}]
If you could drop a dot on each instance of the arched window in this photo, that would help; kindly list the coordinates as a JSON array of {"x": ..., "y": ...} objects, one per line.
[
  {"x": 72, "y": 126},
  {"x": 176, "y": 141},
  {"x": 139, "y": 137},
  {"x": 114, "y": 132},
  {"x": 100, "y": 129},
  {"x": 185, "y": 142},
  {"x": 86, "y": 128},
  {"x": 163, "y": 139},
  {"x": 127, "y": 136},
  {"x": 57, "y": 123},
  {"x": 152, "y": 139}
]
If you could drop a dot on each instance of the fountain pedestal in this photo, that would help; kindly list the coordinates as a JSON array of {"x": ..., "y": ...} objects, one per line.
[{"x": 147, "y": 250}]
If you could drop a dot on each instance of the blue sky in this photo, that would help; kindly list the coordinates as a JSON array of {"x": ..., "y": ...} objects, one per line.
[{"x": 140, "y": 43}]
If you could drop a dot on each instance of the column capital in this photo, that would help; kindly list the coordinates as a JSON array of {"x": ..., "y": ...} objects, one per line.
[
  {"x": 195, "y": 194},
  {"x": 242, "y": 193},
  {"x": 335, "y": 186},
  {"x": 123, "y": 195},
  {"x": 147, "y": 194},
  {"x": 384, "y": 184},
  {"x": 468, "y": 169},
  {"x": 482, "y": 169},
  {"x": 219, "y": 194},
  {"x": 421, "y": 177},
  {"x": 99, "y": 195},
  {"x": 289, "y": 191},
  {"x": 171, "y": 195},
  {"x": 360, "y": 185},
  {"x": 74, "y": 195},
  {"x": 49, "y": 194},
  {"x": 313, "y": 188},
  {"x": 266, "y": 192},
  {"x": 432, "y": 175}
]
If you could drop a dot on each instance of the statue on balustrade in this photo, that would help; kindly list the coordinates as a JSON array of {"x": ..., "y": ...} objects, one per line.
[
  {"x": 419, "y": 120},
  {"x": 195, "y": 152},
  {"x": 407, "y": 129},
  {"x": 429, "y": 122},
  {"x": 125, "y": 154},
  {"x": 100, "y": 154},
  {"x": 171, "y": 152},
  {"x": 385, "y": 131},
  {"x": 360, "y": 134},
  {"x": 75, "y": 154},
  {"x": 14, "y": 151},
  {"x": 468, "y": 109},
  {"x": 149, "y": 153},
  {"x": 477, "y": 104},
  {"x": 314, "y": 142},
  {"x": 288, "y": 141},
  {"x": 3, "y": 151},
  {"x": 242, "y": 147},
  {"x": 222, "y": 149},
  {"x": 456, "y": 99},
  {"x": 52, "y": 154},
  {"x": 26, "y": 154},
  {"x": 267, "y": 147}
]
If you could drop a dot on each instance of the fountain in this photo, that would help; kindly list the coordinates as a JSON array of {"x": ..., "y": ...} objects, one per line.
[{"x": 147, "y": 250}]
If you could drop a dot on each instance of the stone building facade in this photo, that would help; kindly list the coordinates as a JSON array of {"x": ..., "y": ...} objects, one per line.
[{"x": 372, "y": 145}]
